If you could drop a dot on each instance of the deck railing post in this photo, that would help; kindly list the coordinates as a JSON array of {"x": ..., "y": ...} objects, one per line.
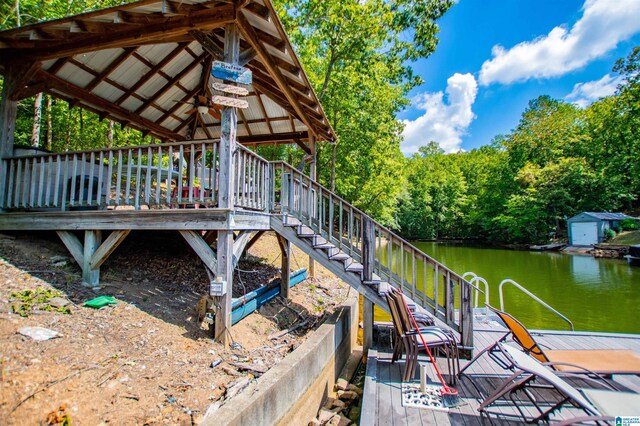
[
  {"x": 466, "y": 314},
  {"x": 225, "y": 195},
  {"x": 368, "y": 262}
]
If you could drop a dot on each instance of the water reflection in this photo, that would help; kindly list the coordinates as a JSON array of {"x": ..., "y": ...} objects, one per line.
[{"x": 596, "y": 294}]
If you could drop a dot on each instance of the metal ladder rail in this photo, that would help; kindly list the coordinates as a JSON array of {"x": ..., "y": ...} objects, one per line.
[
  {"x": 474, "y": 280},
  {"x": 531, "y": 295}
]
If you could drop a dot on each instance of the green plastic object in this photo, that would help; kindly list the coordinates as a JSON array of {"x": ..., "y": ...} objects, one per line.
[{"x": 100, "y": 302}]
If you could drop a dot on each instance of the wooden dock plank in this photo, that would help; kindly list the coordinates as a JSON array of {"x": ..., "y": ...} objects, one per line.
[{"x": 486, "y": 374}]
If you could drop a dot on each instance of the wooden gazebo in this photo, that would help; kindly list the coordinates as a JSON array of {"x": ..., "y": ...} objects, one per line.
[{"x": 206, "y": 78}]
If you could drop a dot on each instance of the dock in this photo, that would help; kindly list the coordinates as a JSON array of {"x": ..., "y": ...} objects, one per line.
[{"x": 382, "y": 404}]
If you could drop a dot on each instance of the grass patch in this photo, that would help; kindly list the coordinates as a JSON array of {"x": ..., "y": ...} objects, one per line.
[
  {"x": 38, "y": 299},
  {"x": 626, "y": 238}
]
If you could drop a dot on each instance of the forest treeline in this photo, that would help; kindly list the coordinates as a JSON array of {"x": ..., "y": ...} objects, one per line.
[{"x": 520, "y": 187}]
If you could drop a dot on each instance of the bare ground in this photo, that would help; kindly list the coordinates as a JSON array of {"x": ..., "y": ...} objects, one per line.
[{"x": 147, "y": 359}]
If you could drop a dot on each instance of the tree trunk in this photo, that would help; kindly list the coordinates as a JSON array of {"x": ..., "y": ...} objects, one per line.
[
  {"x": 110, "y": 134},
  {"x": 37, "y": 118},
  {"x": 17, "y": 9},
  {"x": 49, "y": 125}
]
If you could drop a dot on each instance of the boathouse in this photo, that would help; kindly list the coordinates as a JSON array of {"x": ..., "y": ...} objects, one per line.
[
  {"x": 210, "y": 80},
  {"x": 588, "y": 228}
]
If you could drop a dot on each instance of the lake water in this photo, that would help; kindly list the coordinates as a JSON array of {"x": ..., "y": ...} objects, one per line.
[{"x": 595, "y": 294}]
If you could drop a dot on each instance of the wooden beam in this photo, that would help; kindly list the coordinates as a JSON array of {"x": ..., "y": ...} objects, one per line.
[
  {"x": 8, "y": 114},
  {"x": 285, "y": 265},
  {"x": 73, "y": 244},
  {"x": 155, "y": 219},
  {"x": 201, "y": 248},
  {"x": 276, "y": 137},
  {"x": 250, "y": 35},
  {"x": 170, "y": 84},
  {"x": 239, "y": 246},
  {"x": 104, "y": 105},
  {"x": 112, "y": 66},
  {"x": 92, "y": 240},
  {"x": 208, "y": 44},
  {"x": 107, "y": 247},
  {"x": 254, "y": 240},
  {"x": 175, "y": 52},
  {"x": 152, "y": 28}
]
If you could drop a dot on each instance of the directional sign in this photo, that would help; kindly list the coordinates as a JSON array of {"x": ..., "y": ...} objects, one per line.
[
  {"x": 231, "y": 72},
  {"x": 228, "y": 88},
  {"x": 232, "y": 102}
]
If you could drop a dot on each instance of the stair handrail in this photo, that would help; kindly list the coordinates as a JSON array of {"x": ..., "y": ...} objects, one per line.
[
  {"x": 531, "y": 295},
  {"x": 451, "y": 275},
  {"x": 363, "y": 214}
]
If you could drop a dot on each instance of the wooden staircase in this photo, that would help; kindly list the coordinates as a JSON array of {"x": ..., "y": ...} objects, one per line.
[{"x": 363, "y": 253}]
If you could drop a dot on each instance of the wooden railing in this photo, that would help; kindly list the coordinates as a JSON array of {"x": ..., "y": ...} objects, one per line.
[
  {"x": 173, "y": 175},
  {"x": 251, "y": 179},
  {"x": 429, "y": 283}
]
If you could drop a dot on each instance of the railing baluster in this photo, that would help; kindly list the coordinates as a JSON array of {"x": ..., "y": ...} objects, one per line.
[
  {"x": 56, "y": 188},
  {"x": 47, "y": 195},
  {"x": 65, "y": 184},
  {"x": 200, "y": 170},
  {"x": 147, "y": 179},
  {"x": 136, "y": 201},
  {"x": 92, "y": 166},
  {"x": 414, "y": 275},
  {"x": 159, "y": 174},
  {"x": 32, "y": 183},
  {"x": 119, "y": 177},
  {"x": 170, "y": 176},
  {"x": 100, "y": 178},
  {"x": 110, "y": 185},
  {"x": 127, "y": 195},
  {"x": 180, "y": 171},
  {"x": 11, "y": 194},
  {"x": 191, "y": 181},
  {"x": 74, "y": 177},
  {"x": 80, "y": 189}
]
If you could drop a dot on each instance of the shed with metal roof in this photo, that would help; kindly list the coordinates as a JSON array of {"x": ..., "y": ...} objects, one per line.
[{"x": 588, "y": 228}]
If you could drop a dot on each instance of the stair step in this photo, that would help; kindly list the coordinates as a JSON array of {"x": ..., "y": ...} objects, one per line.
[
  {"x": 326, "y": 246},
  {"x": 354, "y": 267},
  {"x": 340, "y": 257}
]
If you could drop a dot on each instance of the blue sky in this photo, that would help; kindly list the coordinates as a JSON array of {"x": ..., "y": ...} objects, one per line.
[{"x": 496, "y": 55}]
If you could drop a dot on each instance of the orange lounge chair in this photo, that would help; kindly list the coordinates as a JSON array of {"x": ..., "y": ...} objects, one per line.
[
  {"x": 591, "y": 361},
  {"x": 598, "y": 404}
]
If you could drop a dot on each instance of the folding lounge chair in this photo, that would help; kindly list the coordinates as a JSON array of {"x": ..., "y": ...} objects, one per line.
[
  {"x": 435, "y": 338},
  {"x": 530, "y": 373},
  {"x": 589, "y": 361}
]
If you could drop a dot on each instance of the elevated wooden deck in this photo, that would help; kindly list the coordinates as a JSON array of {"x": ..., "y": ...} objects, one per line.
[{"x": 382, "y": 394}]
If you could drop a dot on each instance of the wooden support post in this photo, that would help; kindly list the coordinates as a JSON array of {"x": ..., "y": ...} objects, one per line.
[
  {"x": 224, "y": 250},
  {"x": 313, "y": 174},
  {"x": 8, "y": 112},
  {"x": 92, "y": 240},
  {"x": 466, "y": 315},
  {"x": 368, "y": 262},
  {"x": 285, "y": 275},
  {"x": 367, "y": 324}
]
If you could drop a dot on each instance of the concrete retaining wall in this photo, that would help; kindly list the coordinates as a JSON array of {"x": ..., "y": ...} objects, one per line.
[{"x": 292, "y": 392}]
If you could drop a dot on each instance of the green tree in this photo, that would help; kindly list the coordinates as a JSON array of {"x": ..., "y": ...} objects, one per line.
[{"x": 357, "y": 55}]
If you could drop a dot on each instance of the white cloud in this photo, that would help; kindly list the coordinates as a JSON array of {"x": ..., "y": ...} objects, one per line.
[
  {"x": 443, "y": 121},
  {"x": 603, "y": 25},
  {"x": 583, "y": 94}
]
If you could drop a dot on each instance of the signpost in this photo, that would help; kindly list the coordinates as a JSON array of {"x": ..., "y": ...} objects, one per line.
[
  {"x": 231, "y": 72},
  {"x": 231, "y": 102},
  {"x": 228, "y": 88}
]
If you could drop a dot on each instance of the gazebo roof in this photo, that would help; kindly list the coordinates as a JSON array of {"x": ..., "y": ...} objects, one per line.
[{"x": 143, "y": 63}]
